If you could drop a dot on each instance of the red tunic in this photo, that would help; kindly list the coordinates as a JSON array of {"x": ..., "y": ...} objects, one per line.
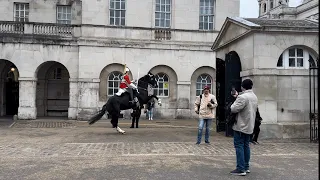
[{"x": 125, "y": 82}]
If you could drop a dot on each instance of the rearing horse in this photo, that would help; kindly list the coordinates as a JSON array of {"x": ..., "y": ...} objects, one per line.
[{"x": 117, "y": 103}]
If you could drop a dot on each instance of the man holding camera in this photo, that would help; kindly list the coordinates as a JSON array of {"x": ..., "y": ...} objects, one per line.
[{"x": 205, "y": 105}]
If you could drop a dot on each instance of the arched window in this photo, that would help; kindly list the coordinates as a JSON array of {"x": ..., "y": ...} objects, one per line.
[
  {"x": 163, "y": 85},
  {"x": 114, "y": 80},
  {"x": 295, "y": 58},
  {"x": 203, "y": 80}
]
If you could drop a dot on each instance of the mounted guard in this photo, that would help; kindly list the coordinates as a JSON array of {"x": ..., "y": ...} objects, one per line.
[{"x": 126, "y": 86}]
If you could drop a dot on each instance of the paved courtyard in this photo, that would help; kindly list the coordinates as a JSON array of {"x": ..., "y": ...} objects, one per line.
[{"x": 163, "y": 149}]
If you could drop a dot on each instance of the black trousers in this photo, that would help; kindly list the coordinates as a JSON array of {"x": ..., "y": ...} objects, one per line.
[
  {"x": 256, "y": 131},
  {"x": 130, "y": 91}
]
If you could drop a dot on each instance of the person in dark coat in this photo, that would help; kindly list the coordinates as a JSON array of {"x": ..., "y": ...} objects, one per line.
[{"x": 256, "y": 130}]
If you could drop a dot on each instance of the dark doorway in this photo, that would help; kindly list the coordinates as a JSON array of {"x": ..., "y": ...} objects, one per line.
[
  {"x": 220, "y": 90},
  {"x": 228, "y": 76},
  {"x": 10, "y": 88},
  {"x": 12, "y": 97}
]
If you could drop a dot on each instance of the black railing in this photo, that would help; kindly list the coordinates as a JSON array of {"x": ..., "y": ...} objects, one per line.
[{"x": 314, "y": 102}]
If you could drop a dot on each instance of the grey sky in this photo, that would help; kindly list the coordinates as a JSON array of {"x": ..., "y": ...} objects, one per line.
[{"x": 249, "y": 8}]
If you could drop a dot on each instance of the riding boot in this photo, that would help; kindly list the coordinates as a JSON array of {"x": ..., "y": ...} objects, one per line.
[{"x": 131, "y": 101}]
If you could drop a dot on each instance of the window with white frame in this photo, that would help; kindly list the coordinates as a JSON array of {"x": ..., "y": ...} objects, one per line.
[
  {"x": 21, "y": 13},
  {"x": 118, "y": 12},
  {"x": 206, "y": 15},
  {"x": 64, "y": 14},
  {"x": 163, "y": 14},
  {"x": 271, "y": 4},
  {"x": 163, "y": 85},
  {"x": 114, "y": 80},
  {"x": 295, "y": 58},
  {"x": 203, "y": 80}
]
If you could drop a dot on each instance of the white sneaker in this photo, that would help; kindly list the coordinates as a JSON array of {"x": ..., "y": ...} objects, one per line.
[{"x": 151, "y": 119}]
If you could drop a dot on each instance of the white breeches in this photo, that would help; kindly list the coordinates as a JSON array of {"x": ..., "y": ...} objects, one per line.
[{"x": 121, "y": 91}]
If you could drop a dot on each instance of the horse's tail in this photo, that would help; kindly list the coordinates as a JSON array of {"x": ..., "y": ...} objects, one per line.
[{"x": 99, "y": 115}]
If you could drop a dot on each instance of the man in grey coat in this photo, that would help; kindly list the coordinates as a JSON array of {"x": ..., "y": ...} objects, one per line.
[{"x": 246, "y": 107}]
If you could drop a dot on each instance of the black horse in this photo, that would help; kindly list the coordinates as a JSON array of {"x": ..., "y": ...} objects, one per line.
[{"x": 117, "y": 103}]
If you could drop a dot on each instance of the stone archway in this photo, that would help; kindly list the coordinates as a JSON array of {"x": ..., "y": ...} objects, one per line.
[
  {"x": 9, "y": 88},
  {"x": 52, "y": 98}
]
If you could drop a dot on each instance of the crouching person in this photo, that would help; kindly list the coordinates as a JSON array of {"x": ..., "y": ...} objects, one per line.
[{"x": 205, "y": 106}]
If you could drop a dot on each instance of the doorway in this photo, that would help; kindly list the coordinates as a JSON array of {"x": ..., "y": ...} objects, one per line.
[
  {"x": 9, "y": 88},
  {"x": 228, "y": 76}
]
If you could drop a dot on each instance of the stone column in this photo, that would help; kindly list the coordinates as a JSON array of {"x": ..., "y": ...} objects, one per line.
[
  {"x": 183, "y": 100},
  {"x": 88, "y": 98},
  {"x": 27, "y": 98},
  {"x": 73, "y": 99}
]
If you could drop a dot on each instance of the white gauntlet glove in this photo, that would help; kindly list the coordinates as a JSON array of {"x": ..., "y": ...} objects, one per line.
[{"x": 133, "y": 86}]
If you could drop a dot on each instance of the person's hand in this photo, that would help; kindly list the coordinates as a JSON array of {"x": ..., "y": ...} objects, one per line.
[{"x": 235, "y": 94}]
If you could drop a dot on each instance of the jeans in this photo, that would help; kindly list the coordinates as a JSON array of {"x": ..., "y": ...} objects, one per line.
[
  {"x": 200, "y": 128},
  {"x": 241, "y": 144},
  {"x": 150, "y": 113}
]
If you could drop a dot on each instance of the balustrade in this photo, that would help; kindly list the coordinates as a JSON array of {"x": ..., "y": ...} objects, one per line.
[
  {"x": 162, "y": 34},
  {"x": 11, "y": 27},
  {"x": 57, "y": 30}
]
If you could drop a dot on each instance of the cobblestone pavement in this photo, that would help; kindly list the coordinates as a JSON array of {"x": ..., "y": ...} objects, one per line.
[{"x": 73, "y": 150}]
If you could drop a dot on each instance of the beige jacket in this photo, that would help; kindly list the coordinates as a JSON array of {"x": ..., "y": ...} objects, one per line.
[
  {"x": 245, "y": 106},
  {"x": 204, "y": 110}
]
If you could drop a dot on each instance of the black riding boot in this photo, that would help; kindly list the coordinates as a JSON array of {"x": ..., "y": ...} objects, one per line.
[{"x": 131, "y": 101}]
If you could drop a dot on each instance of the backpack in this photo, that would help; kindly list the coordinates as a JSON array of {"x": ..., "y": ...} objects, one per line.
[{"x": 199, "y": 102}]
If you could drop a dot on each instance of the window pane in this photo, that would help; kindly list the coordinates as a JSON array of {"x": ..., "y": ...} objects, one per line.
[
  {"x": 168, "y": 9},
  {"x": 166, "y": 92},
  {"x": 211, "y": 19},
  {"x": 167, "y": 23},
  {"x": 292, "y": 53},
  {"x": 163, "y": 8},
  {"x": 117, "y": 21},
  {"x": 157, "y": 22},
  {"x": 117, "y": 13},
  {"x": 167, "y": 16},
  {"x": 300, "y": 62},
  {"x": 158, "y": 7},
  {"x": 162, "y": 23},
  {"x": 117, "y": 5},
  {"x": 111, "y": 13},
  {"x": 299, "y": 52},
  {"x": 200, "y": 25},
  {"x": 292, "y": 62},
  {"x": 122, "y": 14},
  {"x": 157, "y": 15},
  {"x": 123, "y": 5},
  {"x": 206, "y": 26},
  {"x": 168, "y": 1},
  {"x": 211, "y": 26},
  {"x": 123, "y": 21},
  {"x": 112, "y": 21}
]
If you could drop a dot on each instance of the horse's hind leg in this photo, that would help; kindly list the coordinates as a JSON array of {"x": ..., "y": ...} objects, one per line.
[{"x": 114, "y": 122}]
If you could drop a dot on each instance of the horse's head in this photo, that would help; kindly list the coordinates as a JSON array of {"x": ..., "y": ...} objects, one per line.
[{"x": 151, "y": 80}]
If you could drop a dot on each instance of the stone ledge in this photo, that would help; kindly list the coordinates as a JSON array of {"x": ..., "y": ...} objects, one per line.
[{"x": 284, "y": 130}]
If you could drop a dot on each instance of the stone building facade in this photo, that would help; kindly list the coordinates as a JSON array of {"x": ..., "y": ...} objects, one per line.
[
  {"x": 64, "y": 57},
  {"x": 276, "y": 52}
]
